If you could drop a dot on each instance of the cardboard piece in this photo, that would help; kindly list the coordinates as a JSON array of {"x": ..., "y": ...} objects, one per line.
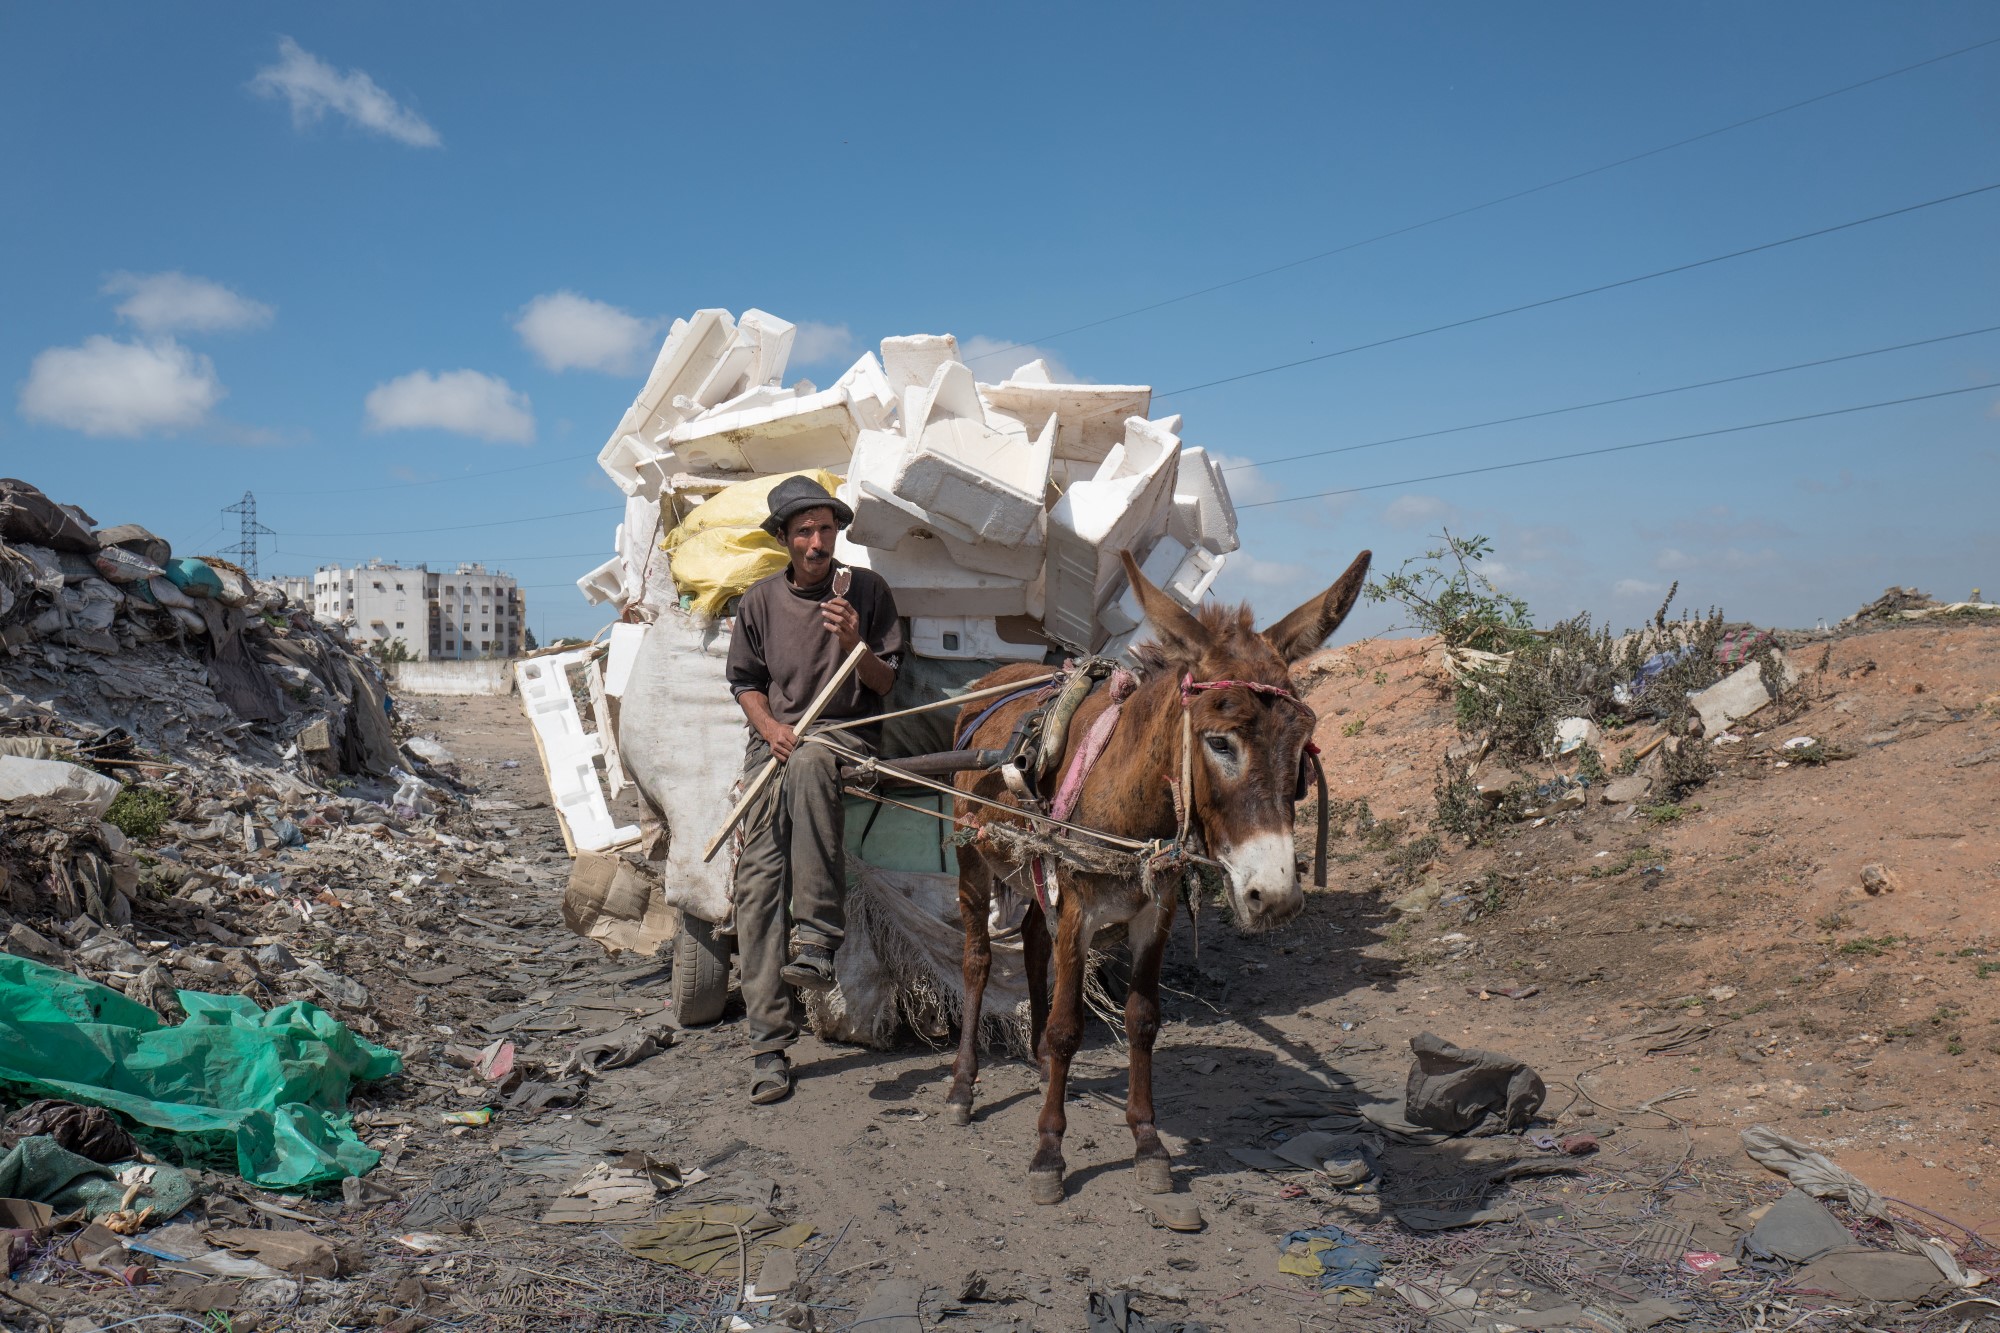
[{"x": 614, "y": 902}]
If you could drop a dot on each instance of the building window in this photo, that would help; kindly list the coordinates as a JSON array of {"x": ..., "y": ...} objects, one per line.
[
  {"x": 399, "y": 624},
  {"x": 399, "y": 587},
  {"x": 483, "y": 645}
]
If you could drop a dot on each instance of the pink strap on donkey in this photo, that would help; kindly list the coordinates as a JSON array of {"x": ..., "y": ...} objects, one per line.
[{"x": 1121, "y": 684}]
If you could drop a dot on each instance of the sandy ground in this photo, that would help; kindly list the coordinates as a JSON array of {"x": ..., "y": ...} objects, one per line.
[{"x": 1868, "y": 1024}]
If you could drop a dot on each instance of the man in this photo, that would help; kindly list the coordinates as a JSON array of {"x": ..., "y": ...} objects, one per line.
[{"x": 793, "y": 630}]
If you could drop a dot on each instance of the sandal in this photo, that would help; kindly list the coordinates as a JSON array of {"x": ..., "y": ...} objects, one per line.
[
  {"x": 771, "y": 1080},
  {"x": 811, "y": 968}
]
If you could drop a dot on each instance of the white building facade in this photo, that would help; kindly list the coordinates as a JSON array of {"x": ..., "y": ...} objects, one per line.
[{"x": 467, "y": 612}]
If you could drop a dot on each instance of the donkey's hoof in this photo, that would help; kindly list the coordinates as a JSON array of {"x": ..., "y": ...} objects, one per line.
[
  {"x": 958, "y": 1113},
  {"x": 1045, "y": 1186},
  {"x": 1156, "y": 1174}
]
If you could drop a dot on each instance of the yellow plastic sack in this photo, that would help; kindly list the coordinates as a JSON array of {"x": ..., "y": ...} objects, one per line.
[{"x": 721, "y": 548}]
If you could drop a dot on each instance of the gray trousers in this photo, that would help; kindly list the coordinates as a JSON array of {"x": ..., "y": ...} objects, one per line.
[{"x": 791, "y": 880}]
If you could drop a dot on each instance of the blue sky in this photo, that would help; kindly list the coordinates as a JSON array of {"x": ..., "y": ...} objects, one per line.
[{"x": 303, "y": 250}]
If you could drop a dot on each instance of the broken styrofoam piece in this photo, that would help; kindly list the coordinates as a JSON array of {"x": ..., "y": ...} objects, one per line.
[
  {"x": 569, "y": 753},
  {"x": 1184, "y": 573},
  {"x": 1203, "y": 513},
  {"x": 1096, "y": 520},
  {"x": 756, "y": 355},
  {"x": 760, "y": 395},
  {"x": 880, "y": 519},
  {"x": 640, "y": 467},
  {"x": 606, "y": 583},
  {"x": 912, "y": 360},
  {"x": 790, "y": 435},
  {"x": 1738, "y": 695},
  {"x": 1020, "y": 561},
  {"x": 969, "y": 638},
  {"x": 1093, "y": 415},
  {"x": 1035, "y": 372},
  {"x": 773, "y": 339},
  {"x": 638, "y": 540},
  {"x": 961, "y": 468},
  {"x": 869, "y": 392},
  {"x": 624, "y": 651},
  {"x": 928, "y": 582},
  {"x": 689, "y": 355}
]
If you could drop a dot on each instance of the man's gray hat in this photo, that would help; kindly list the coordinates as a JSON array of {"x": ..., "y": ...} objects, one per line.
[{"x": 795, "y": 495}]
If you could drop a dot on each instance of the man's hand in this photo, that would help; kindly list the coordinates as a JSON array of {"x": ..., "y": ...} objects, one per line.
[
  {"x": 841, "y": 621},
  {"x": 781, "y": 738}
]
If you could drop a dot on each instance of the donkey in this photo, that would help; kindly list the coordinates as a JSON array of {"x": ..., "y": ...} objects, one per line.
[{"x": 1217, "y": 687}]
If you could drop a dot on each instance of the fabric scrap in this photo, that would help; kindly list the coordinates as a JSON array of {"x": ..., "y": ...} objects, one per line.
[
  {"x": 1340, "y": 1260},
  {"x": 41, "y": 1170},
  {"x": 1459, "y": 1091},
  {"x": 712, "y": 1240},
  {"x": 1112, "y": 1312}
]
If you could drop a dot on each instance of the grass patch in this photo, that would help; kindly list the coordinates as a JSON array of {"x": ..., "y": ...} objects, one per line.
[
  {"x": 140, "y": 812},
  {"x": 1985, "y": 970},
  {"x": 1638, "y": 856},
  {"x": 1867, "y": 945},
  {"x": 1667, "y": 812},
  {"x": 1354, "y": 728}
]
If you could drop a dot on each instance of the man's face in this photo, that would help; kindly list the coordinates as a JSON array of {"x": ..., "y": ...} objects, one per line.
[{"x": 810, "y": 536}]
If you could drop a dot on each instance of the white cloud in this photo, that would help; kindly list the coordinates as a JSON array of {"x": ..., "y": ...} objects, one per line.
[
  {"x": 566, "y": 331},
  {"x": 315, "y": 88},
  {"x": 1637, "y": 588},
  {"x": 1497, "y": 573},
  {"x": 1410, "y": 511},
  {"x": 994, "y": 359},
  {"x": 174, "y": 303},
  {"x": 464, "y": 402},
  {"x": 1671, "y": 559},
  {"x": 816, "y": 343},
  {"x": 108, "y": 387},
  {"x": 1247, "y": 483},
  {"x": 1262, "y": 573}
]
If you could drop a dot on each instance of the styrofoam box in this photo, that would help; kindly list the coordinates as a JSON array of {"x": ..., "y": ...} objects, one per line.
[
  {"x": 1121, "y": 509},
  {"x": 1092, "y": 416},
  {"x": 687, "y": 358},
  {"x": 606, "y": 583},
  {"x": 1203, "y": 513},
  {"x": 625, "y": 641},
  {"x": 868, "y": 389},
  {"x": 569, "y": 752},
  {"x": 968, "y": 637},
  {"x": 963, "y": 469},
  {"x": 926, "y": 581},
  {"x": 913, "y": 359},
  {"x": 785, "y": 436}
]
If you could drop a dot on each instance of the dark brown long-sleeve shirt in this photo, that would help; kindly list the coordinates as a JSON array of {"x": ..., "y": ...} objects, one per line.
[{"x": 782, "y": 649}]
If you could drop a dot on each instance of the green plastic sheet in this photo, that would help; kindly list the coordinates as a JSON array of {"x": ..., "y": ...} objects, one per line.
[
  {"x": 271, "y": 1085},
  {"x": 41, "y": 1169}
]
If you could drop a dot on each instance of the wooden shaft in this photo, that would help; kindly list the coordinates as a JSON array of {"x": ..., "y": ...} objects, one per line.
[
  {"x": 970, "y": 697},
  {"x": 763, "y": 778}
]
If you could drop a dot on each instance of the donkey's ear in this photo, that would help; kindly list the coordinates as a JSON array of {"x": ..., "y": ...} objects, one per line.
[
  {"x": 1177, "y": 631},
  {"x": 1305, "y": 629}
]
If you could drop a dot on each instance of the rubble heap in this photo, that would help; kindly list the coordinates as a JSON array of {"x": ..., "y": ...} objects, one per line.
[
  {"x": 144, "y": 694},
  {"x": 997, "y": 511}
]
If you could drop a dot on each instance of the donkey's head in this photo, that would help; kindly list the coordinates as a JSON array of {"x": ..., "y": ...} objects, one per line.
[{"x": 1248, "y": 744}]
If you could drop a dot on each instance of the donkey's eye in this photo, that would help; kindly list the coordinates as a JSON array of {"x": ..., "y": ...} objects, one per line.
[{"x": 1220, "y": 745}]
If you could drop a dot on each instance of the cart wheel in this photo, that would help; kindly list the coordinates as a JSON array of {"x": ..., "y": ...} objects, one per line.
[{"x": 701, "y": 972}]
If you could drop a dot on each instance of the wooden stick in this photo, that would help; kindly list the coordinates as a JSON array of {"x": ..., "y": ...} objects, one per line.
[
  {"x": 973, "y": 696},
  {"x": 806, "y": 719}
]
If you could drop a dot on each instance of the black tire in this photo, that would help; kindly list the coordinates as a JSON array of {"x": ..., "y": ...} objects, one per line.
[{"x": 701, "y": 972}]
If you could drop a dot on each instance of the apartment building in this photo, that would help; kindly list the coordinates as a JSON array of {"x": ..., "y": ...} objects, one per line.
[{"x": 466, "y": 612}]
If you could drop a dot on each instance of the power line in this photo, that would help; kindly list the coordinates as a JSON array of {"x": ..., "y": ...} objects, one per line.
[
  {"x": 1622, "y": 448},
  {"x": 1607, "y": 402},
  {"x": 1587, "y": 291},
  {"x": 1492, "y": 203},
  {"x": 439, "y": 481},
  {"x": 460, "y": 527}
]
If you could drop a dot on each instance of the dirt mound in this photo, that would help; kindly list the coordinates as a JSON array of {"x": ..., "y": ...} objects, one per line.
[{"x": 1811, "y": 939}]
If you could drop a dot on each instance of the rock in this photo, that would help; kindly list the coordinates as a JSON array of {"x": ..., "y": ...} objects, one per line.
[
  {"x": 52, "y": 790},
  {"x": 1493, "y": 783},
  {"x": 1878, "y": 879},
  {"x": 275, "y": 959},
  {"x": 1737, "y": 695},
  {"x": 1624, "y": 791},
  {"x": 26, "y": 943}
]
